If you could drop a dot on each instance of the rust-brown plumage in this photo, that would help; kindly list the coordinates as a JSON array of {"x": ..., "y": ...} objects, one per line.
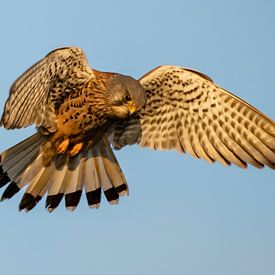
[{"x": 79, "y": 111}]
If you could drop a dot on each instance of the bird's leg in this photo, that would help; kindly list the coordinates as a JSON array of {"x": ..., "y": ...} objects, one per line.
[
  {"x": 76, "y": 149},
  {"x": 63, "y": 146}
]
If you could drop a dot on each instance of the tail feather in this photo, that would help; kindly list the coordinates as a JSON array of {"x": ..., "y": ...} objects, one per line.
[
  {"x": 40, "y": 180},
  {"x": 14, "y": 163},
  {"x": 107, "y": 184},
  {"x": 15, "y": 172},
  {"x": 32, "y": 172},
  {"x": 114, "y": 171},
  {"x": 17, "y": 152},
  {"x": 4, "y": 178},
  {"x": 106, "y": 175},
  {"x": 106, "y": 181},
  {"x": 95, "y": 168},
  {"x": 56, "y": 188},
  {"x": 71, "y": 182},
  {"x": 92, "y": 181},
  {"x": 10, "y": 191}
]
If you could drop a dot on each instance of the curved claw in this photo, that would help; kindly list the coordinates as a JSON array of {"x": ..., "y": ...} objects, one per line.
[
  {"x": 63, "y": 146},
  {"x": 76, "y": 149}
]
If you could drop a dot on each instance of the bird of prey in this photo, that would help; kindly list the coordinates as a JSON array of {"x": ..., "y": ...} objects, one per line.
[{"x": 81, "y": 113}]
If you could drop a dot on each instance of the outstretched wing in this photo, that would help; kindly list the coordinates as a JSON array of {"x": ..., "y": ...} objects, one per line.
[
  {"x": 186, "y": 111},
  {"x": 36, "y": 94}
]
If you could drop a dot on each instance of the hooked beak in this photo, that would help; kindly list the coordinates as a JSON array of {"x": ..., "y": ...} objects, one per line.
[{"x": 132, "y": 108}]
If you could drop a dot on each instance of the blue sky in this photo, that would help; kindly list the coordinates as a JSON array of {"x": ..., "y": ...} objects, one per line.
[{"x": 183, "y": 216}]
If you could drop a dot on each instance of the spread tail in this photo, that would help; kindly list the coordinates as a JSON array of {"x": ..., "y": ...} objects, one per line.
[{"x": 95, "y": 168}]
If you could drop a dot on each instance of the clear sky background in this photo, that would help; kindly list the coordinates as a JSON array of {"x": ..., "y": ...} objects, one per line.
[{"x": 183, "y": 216}]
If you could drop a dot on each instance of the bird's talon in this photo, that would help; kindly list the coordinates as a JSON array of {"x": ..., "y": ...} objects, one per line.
[
  {"x": 76, "y": 149},
  {"x": 63, "y": 146}
]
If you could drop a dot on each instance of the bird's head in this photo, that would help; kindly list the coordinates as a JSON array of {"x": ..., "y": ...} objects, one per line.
[{"x": 126, "y": 96}]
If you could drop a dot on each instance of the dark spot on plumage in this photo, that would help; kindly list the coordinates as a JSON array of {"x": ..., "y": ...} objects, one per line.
[
  {"x": 192, "y": 90},
  {"x": 10, "y": 191},
  {"x": 72, "y": 199},
  {"x": 66, "y": 120},
  {"x": 121, "y": 188},
  {"x": 179, "y": 124},
  {"x": 93, "y": 197},
  {"x": 153, "y": 128},
  {"x": 215, "y": 126},
  {"x": 111, "y": 194},
  {"x": 164, "y": 129},
  {"x": 171, "y": 118},
  {"x": 28, "y": 202},
  {"x": 194, "y": 98},
  {"x": 4, "y": 179},
  {"x": 53, "y": 201},
  {"x": 153, "y": 121},
  {"x": 171, "y": 126},
  {"x": 38, "y": 198}
]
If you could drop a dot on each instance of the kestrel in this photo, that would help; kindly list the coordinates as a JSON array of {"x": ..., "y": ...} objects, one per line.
[{"x": 80, "y": 113}]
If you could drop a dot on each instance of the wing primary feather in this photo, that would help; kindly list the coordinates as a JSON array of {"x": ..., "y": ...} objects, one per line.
[
  {"x": 243, "y": 149},
  {"x": 241, "y": 146},
  {"x": 229, "y": 95},
  {"x": 253, "y": 145},
  {"x": 225, "y": 149},
  {"x": 198, "y": 139},
  {"x": 20, "y": 82},
  {"x": 19, "y": 112},
  {"x": 214, "y": 139},
  {"x": 21, "y": 115},
  {"x": 186, "y": 141}
]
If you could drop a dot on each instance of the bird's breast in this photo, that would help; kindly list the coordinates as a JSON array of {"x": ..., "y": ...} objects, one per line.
[{"x": 79, "y": 115}]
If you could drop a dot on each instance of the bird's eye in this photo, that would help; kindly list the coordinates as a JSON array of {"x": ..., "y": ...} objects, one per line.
[{"x": 127, "y": 98}]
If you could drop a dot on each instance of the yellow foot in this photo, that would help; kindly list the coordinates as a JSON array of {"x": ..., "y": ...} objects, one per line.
[
  {"x": 63, "y": 146},
  {"x": 76, "y": 149}
]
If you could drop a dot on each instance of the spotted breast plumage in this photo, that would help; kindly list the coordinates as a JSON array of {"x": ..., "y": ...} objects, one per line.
[{"x": 80, "y": 112}]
